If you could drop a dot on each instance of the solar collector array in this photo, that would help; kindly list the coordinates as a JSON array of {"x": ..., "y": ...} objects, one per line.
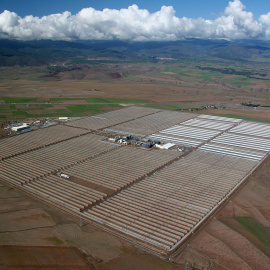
[
  {"x": 252, "y": 129},
  {"x": 152, "y": 123},
  {"x": 35, "y": 139},
  {"x": 43, "y": 161},
  {"x": 161, "y": 209},
  {"x": 120, "y": 167},
  {"x": 190, "y": 132},
  {"x": 220, "y": 118},
  {"x": 259, "y": 144},
  {"x": 208, "y": 124},
  {"x": 175, "y": 140},
  {"x": 229, "y": 151},
  {"x": 112, "y": 118},
  {"x": 65, "y": 192}
]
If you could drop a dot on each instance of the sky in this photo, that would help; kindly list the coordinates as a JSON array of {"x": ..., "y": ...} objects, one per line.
[
  {"x": 135, "y": 20},
  {"x": 208, "y": 9}
]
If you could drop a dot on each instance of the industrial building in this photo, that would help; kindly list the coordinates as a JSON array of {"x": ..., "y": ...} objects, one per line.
[{"x": 156, "y": 198}]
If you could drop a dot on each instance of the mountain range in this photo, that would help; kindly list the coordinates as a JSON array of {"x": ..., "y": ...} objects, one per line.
[{"x": 36, "y": 53}]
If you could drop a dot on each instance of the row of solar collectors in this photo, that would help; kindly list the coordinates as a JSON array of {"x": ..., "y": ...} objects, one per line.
[
  {"x": 121, "y": 167},
  {"x": 64, "y": 192},
  {"x": 163, "y": 208},
  {"x": 31, "y": 165},
  {"x": 243, "y": 141},
  {"x": 208, "y": 124},
  {"x": 220, "y": 118},
  {"x": 152, "y": 123},
  {"x": 112, "y": 118},
  {"x": 229, "y": 151},
  {"x": 194, "y": 132},
  {"x": 252, "y": 129},
  {"x": 175, "y": 140},
  {"x": 191, "y": 132},
  {"x": 35, "y": 139}
]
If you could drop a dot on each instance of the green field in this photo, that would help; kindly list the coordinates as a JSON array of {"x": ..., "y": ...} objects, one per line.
[
  {"x": 14, "y": 108},
  {"x": 78, "y": 110},
  {"x": 54, "y": 239},
  {"x": 57, "y": 107},
  {"x": 257, "y": 230},
  {"x": 193, "y": 73},
  {"x": 64, "y": 99},
  {"x": 20, "y": 99},
  {"x": 173, "y": 107},
  {"x": 99, "y": 100}
]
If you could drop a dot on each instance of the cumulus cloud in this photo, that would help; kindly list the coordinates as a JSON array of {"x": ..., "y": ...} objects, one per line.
[{"x": 134, "y": 24}]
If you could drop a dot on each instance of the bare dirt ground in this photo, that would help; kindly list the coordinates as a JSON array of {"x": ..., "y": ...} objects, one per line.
[
  {"x": 158, "y": 90},
  {"x": 56, "y": 258},
  {"x": 223, "y": 244},
  {"x": 89, "y": 184},
  {"x": 249, "y": 113}
]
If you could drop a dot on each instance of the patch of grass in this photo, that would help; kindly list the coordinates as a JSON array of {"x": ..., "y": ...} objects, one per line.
[
  {"x": 256, "y": 229},
  {"x": 61, "y": 111},
  {"x": 193, "y": 73},
  {"x": 11, "y": 112},
  {"x": 121, "y": 100},
  {"x": 24, "y": 113},
  {"x": 241, "y": 83},
  {"x": 19, "y": 99},
  {"x": 97, "y": 100},
  {"x": 173, "y": 107},
  {"x": 132, "y": 78},
  {"x": 164, "y": 107},
  {"x": 54, "y": 239},
  {"x": 28, "y": 109},
  {"x": 62, "y": 99},
  {"x": 114, "y": 100},
  {"x": 41, "y": 115},
  {"x": 80, "y": 110}
]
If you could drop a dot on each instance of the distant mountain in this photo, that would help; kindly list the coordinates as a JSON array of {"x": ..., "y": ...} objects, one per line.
[{"x": 35, "y": 53}]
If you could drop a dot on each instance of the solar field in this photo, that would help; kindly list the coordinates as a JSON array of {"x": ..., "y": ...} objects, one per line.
[{"x": 156, "y": 198}]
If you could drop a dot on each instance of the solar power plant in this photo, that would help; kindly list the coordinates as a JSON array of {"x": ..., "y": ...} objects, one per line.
[{"x": 152, "y": 197}]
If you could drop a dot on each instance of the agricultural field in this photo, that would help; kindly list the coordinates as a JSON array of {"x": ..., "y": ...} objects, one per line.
[{"x": 16, "y": 108}]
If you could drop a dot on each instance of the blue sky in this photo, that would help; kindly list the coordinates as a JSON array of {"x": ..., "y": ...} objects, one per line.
[
  {"x": 134, "y": 20},
  {"x": 208, "y": 9}
]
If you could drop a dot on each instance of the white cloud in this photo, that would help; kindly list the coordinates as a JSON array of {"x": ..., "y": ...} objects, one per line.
[{"x": 134, "y": 24}]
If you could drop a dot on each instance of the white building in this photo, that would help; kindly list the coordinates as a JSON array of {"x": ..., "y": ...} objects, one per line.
[{"x": 21, "y": 127}]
